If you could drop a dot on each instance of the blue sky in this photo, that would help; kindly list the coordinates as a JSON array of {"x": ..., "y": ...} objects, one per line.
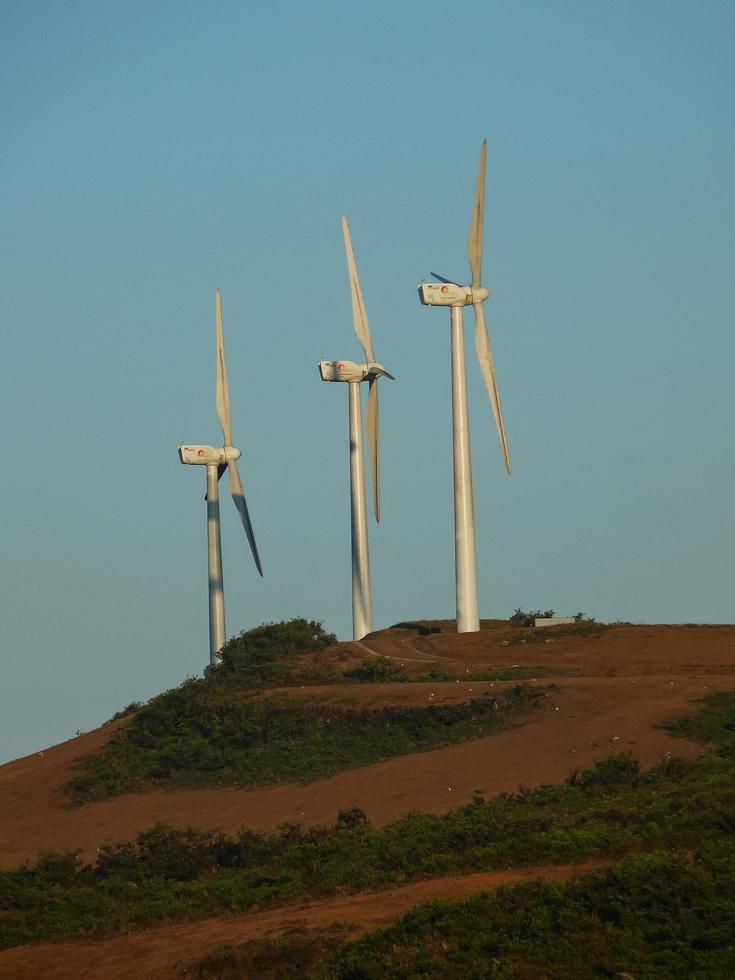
[{"x": 154, "y": 152}]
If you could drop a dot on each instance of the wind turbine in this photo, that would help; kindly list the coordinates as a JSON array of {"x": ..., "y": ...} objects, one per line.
[
  {"x": 447, "y": 293},
  {"x": 217, "y": 460},
  {"x": 354, "y": 375}
]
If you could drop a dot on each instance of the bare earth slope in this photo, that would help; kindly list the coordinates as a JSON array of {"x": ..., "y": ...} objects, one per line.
[
  {"x": 622, "y": 683},
  {"x": 613, "y": 690}
]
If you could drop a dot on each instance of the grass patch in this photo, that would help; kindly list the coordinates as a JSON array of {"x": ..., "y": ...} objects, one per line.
[
  {"x": 586, "y": 627},
  {"x": 381, "y": 670},
  {"x": 714, "y": 722},
  {"x": 609, "y": 810},
  {"x": 377, "y": 671},
  {"x": 494, "y": 674}
]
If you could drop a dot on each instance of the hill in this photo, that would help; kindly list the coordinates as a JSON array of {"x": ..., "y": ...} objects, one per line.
[{"x": 613, "y": 687}]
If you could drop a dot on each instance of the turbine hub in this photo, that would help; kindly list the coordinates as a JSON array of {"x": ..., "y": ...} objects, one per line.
[
  {"x": 350, "y": 371},
  {"x": 376, "y": 370}
]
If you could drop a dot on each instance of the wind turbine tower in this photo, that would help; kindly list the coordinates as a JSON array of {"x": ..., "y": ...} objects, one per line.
[
  {"x": 444, "y": 292},
  {"x": 217, "y": 460},
  {"x": 354, "y": 374}
]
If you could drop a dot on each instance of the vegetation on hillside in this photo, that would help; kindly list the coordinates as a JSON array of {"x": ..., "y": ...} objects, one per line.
[
  {"x": 222, "y": 730},
  {"x": 183, "y": 739},
  {"x": 654, "y": 915},
  {"x": 495, "y": 674},
  {"x": 381, "y": 671},
  {"x": 609, "y": 810}
]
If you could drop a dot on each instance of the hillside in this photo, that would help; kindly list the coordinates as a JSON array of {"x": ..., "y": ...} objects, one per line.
[{"x": 603, "y": 691}]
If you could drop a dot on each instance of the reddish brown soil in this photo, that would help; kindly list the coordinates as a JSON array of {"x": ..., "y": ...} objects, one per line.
[
  {"x": 619, "y": 685},
  {"x": 165, "y": 951},
  {"x": 614, "y": 689},
  {"x": 588, "y": 719},
  {"x": 618, "y": 649}
]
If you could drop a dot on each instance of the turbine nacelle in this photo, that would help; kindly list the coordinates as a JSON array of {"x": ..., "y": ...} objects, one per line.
[
  {"x": 208, "y": 455},
  {"x": 350, "y": 371},
  {"x": 450, "y": 294}
]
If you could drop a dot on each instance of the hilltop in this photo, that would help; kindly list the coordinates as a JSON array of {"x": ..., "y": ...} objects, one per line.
[{"x": 561, "y": 701}]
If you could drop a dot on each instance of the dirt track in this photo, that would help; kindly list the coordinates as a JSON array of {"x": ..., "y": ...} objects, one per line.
[
  {"x": 614, "y": 689},
  {"x": 165, "y": 951}
]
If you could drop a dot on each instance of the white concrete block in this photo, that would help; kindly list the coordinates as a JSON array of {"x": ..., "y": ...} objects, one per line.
[{"x": 554, "y": 621}]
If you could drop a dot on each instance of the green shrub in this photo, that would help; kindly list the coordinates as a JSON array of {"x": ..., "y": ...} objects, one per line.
[
  {"x": 496, "y": 674},
  {"x": 374, "y": 671},
  {"x": 522, "y": 618},
  {"x": 354, "y": 817},
  {"x": 617, "y": 770},
  {"x": 292, "y": 957},
  {"x": 129, "y": 709},
  {"x": 714, "y": 722},
  {"x": 255, "y": 657}
]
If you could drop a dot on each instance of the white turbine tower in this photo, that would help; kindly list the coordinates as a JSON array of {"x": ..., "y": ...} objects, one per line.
[
  {"x": 354, "y": 375},
  {"x": 447, "y": 293},
  {"x": 217, "y": 460}
]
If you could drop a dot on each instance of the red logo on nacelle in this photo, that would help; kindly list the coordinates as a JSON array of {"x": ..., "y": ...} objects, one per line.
[
  {"x": 200, "y": 452},
  {"x": 444, "y": 289}
]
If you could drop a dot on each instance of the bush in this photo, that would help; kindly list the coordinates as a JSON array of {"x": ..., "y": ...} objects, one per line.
[
  {"x": 292, "y": 957},
  {"x": 129, "y": 709},
  {"x": 354, "y": 817},
  {"x": 375, "y": 671},
  {"x": 714, "y": 722},
  {"x": 255, "y": 657},
  {"x": 617, "y": 770},
  {"x": 521, "y": 618}
]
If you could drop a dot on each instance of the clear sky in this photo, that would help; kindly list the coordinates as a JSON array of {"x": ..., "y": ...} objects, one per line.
[{"x": 152, "y": 152}]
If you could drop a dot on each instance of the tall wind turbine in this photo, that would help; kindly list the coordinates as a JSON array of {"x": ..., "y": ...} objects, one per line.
[
  {"x": 447, "y": 293},
  {"x": 217, "y": 460},
  {"x": 354, "y": 375}
]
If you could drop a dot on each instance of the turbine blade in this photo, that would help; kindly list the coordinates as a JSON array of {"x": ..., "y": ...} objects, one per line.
[
  {"x": 372, "y": 418},
  {"x": 222, "y": 388},
  {"x": 450, "y": 282},
  {"x": 359, "y": 313},
  {"x": 474, "y": 241},
  {"x": 238, "y": 495},
  {"x": 485, "y": 358}
]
